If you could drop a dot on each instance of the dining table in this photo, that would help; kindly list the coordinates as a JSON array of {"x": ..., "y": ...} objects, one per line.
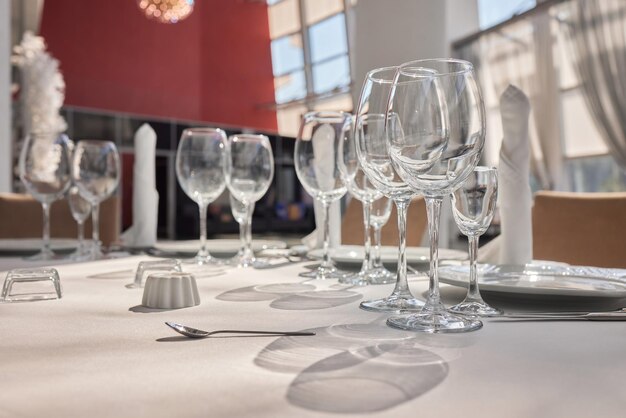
[{"x": 98, "y": 352}]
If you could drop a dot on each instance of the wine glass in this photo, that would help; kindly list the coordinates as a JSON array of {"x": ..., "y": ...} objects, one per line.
[
  {"x": 473, "y": 207},
  {"x": 200, "y": 162},
  {"x": 317, "y": 156},
  {"x": 373, "y": 153},
  {"x": 379, "y": 216},
  {"x": 44, "y": 168},
  {"x": 96, "y": 173},
  {"x": 80, "y": 209},
  {"x": 361, "y": 189},
  {"x": 249, "y": 172},
  {"x": 439, "y": 105}
]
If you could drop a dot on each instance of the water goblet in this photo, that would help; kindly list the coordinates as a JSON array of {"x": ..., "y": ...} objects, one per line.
[
  {"x": 249, "y": 173},
  {"x": 44, "y": 167},
  {"x": 200, "y": 162},
  {"x": 439, "y": 105},
  {"x": 317, "y": 156},
  {"x": 379, "y": 216},
  {"x": 373, "y": 153},
  {"x": 80, "y": 209},
  {"x": 96, "y": 174},
  {"x": 473, "y": 207}
]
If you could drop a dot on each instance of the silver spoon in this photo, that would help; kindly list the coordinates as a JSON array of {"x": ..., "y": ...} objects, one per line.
[{"x": 198, "y": 333}]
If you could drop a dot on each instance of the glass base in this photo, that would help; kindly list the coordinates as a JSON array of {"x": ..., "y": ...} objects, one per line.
[
  {"x": 203, "y": 260},
  {"x": 325, "y": 273},
  {"x": 380, "y": 275},
  {"x": 475, "y": 308},
  {"x": 393, "y": 303},
  {"x": 435, "y": 322},
  {"x": 44, "y": 254}
]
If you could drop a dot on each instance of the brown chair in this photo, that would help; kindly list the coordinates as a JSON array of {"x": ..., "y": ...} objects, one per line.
[
  {"x": 21, "y": 217},
  {"x": 352, "y": 224},
  {"x": 580, "y": 228}
]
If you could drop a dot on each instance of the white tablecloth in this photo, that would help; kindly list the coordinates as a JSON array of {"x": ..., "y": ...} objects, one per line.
[{"x": 97, "y": 353}]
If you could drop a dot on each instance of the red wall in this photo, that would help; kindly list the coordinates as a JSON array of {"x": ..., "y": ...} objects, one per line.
[{"x": 214, "y": 66}]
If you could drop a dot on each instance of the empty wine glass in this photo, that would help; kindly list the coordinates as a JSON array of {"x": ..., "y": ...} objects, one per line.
[
  {"x": 80, "y": 209},
  {"x": 379, "y": 216},
  {"x": 249, "y": 173},
  {"x": 44, "y": 168},
  {"x": 243, "y": 215},
  {"x": 473, "y": 207},
  {"x": 96, "y": 173},
  {"x": 361, "y": 189},
  {"x": 200, "y": 161},
  {"x": 373, "y": 153},
  {"x": 439, "y": 106},
  {"x": 317, "y": 156}
]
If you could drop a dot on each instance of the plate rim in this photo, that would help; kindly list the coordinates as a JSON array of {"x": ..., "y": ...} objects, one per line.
[
  {"x": 159, "y": 245},
  {"x": 448, "y": 276},
  {"x": 461, "y": 256}
]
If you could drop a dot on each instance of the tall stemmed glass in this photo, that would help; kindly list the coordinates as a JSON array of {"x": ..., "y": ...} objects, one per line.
[
  {"x": 243, "y": 215},
  {"x": 379, "y": 216},
  {"x": 361, "y": 189},
  {"x": 80, "y": 209},
  {"x": 96, "y": 173},
  {"x": 200, "y": 162},
  {"x": 373, "y": 154},
  {"x": 439, "y": 105},
  {"x": 473, "y": 206},
  {"x": 318, "y": 156},
  {"x": 44, "y": 167},
  {"x": 249, "y": 173}
]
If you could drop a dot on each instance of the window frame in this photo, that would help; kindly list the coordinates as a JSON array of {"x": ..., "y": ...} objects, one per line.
[{"x": 312, "y": 98}]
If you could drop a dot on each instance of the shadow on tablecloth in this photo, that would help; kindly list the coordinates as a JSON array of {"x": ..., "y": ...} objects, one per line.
[
  {"x": 292, "y": 296},
  {"x": 361, "y": 368}
]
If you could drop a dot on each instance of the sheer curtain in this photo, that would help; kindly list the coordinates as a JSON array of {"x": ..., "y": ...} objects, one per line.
[
  {"x": 597, "y": 37},
  {"x": 521, "y": 54}
]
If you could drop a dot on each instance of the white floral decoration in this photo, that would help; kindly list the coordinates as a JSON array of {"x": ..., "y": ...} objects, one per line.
[{"x": 42, "y": 89}]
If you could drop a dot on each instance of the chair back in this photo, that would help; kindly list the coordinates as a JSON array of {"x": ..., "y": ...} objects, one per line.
[
  {"x": 21, "y": 216},
  {"x": 352, "y": 224},
  {"x": 580, "y": 228}
]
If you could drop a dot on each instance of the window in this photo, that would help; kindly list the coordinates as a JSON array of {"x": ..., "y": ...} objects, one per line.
[
  {"x": 310, "y": 58},
  {"x": 492, "y": 12}
]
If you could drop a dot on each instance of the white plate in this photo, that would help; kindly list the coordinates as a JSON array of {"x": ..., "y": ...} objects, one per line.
[
  {"x": 34, "y": 244},
  {"x": 353, "y": 254},
  {"x": 542, "y": 279},
  {"x": 216, "y": 246}
]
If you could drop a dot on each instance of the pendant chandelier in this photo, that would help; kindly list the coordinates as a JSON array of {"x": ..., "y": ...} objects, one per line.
[{"x": 166, "y": 11}]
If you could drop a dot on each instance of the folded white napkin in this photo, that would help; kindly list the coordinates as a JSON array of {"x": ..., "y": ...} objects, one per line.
[
  {"x": 143, "y": 232},
  {"x": 324, "y": 154},
  {"x": 514, "y": 195}
]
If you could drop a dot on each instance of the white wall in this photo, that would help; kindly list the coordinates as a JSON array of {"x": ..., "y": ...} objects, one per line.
[{"x": 6, "y": 162}]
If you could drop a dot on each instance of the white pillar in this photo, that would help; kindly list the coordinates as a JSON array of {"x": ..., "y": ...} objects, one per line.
[{"x": 6, "y": 151}]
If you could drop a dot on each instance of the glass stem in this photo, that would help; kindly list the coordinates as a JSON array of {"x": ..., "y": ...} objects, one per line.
[
  {"x": 248, "y": 235},
  {"x": 433, "y": 210},
  {"x": 473, "y": 293},
  {"x": 326, "y": 263},
  {"x": 402, "y": 285},
  {"x": 81, "y": 237},
  {"x": 367, "y": 260},
  {"x": 95, "y": 222},
  {"x": 242, "y": 237},
  {"x": 46, "y": 227},
  {"x": 377, "y": 239},
  {"x": 203, "y": 212}
]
